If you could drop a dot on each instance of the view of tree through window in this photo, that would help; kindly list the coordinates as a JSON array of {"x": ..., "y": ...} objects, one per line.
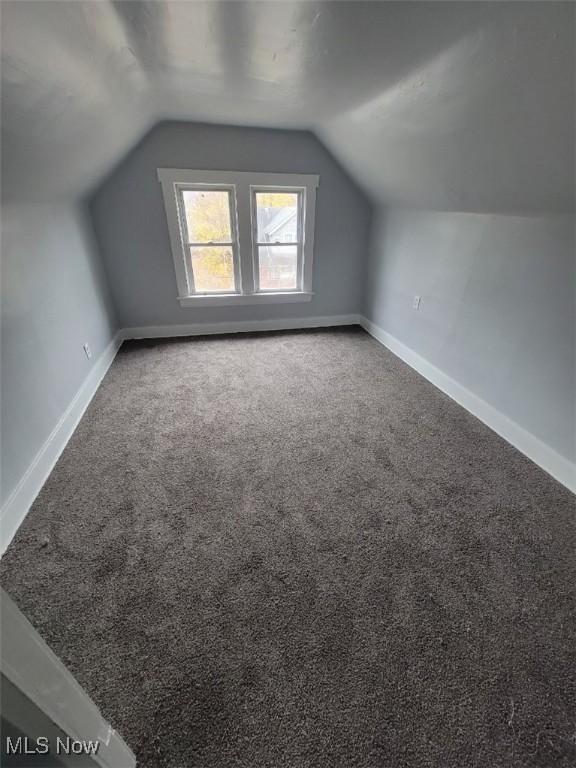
[
  {"x": 277, "y": 235},
  {"x": 209, "y": 232}
]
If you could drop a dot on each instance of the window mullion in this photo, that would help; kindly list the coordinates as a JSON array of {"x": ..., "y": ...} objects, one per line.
[
  {"x": 308, "y": 215},
  {"x": 300, "y": 248},
  {"x": 245, "y": 237}
]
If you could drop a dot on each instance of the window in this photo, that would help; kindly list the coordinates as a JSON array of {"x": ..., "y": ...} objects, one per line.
[
  {"x": 209, "y": 238},
  {"x": 240, "y": 238},
  {"x": 278, "y": 217}
]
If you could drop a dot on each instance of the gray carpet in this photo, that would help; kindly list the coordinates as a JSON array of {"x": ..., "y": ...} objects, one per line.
[{"x": 291, "y": 550}]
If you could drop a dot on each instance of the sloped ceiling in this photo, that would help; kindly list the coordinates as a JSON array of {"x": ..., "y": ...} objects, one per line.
[{"x": 442, "y": 105}]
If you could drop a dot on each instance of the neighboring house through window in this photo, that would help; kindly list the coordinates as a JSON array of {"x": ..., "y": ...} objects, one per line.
[{"x": 240, "y": 238}]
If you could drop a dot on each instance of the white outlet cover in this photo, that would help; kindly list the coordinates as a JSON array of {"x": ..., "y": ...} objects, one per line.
[{"x": 416, "y": 302}]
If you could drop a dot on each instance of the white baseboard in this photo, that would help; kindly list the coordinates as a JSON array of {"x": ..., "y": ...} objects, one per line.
[
  {"x": 531, "y": 446},
  {"x": 21, "y": 499},
  {"x": 242, "y": 326}
]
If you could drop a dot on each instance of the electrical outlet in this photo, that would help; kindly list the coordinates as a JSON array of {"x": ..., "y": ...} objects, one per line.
[
  {"x": 416, "y": 302},
  {"x": 87, "y": 351}
]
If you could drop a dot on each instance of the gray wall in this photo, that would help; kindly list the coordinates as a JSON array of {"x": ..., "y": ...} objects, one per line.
[
  {"x": 54, "y": 298},
  {"x": 130, "y": 222},
  {"x": 497, "y": 312}
]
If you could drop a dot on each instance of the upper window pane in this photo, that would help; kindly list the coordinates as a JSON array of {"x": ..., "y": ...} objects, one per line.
[
  {"x": 207, "y": 215},
  {"x": 277, "y": 217}
]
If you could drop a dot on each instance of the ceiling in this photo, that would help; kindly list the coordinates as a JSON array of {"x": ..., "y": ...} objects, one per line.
[{"x": 442, "y": 105}]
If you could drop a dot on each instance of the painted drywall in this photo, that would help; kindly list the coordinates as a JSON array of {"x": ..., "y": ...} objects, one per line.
[
  {"x": 483, "y": 122},
  {"x": 440, "y": 105},
  {"x": 497, "y": 310},
  {"x": 130, "y": 222},
  {"x": 55, "y": 298}
]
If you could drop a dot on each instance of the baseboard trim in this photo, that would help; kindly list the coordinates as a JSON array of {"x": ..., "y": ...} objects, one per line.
[
  {"x": 242, "y": 326},
  {"x": 16, "y": 507},
  {"x": 531, "y": 446}
]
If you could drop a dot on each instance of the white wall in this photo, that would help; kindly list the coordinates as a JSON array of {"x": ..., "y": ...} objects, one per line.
[
  {"x": 54, "y": 299},
  {"x": 497, "y": 312}
]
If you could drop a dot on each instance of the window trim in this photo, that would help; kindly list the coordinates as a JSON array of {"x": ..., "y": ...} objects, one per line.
[{"x": 242, "y": 184}]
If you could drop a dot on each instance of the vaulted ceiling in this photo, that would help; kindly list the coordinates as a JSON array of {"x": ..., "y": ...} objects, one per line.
[{"x": 441, "y": 105}]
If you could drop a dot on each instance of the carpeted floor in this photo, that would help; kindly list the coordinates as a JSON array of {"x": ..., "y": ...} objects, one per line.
[{"x": 291, "y": 551}]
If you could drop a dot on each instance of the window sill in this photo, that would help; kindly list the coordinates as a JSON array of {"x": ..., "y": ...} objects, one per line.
[{"x": 230, "y": 299}]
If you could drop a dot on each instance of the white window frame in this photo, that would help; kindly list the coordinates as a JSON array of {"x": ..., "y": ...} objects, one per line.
[
  {"x": 187, "y": 245},
  {"x": 243, "y": 186},
  {"x": 300, "y": 218}
]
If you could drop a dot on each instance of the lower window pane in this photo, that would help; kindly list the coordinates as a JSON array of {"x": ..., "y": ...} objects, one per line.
[
  {"x": 213, "y": 268},
  {"x": 278, "y": 266}
]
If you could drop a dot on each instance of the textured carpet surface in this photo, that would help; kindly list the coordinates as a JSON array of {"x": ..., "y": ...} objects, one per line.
[{"x": 291, "y": 550}]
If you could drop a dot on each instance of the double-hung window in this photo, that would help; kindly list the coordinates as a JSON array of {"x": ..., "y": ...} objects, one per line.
[
  {"x": 209, "y": 237},
  {"x": 277, "y": 238},
  {"x": 240, "y": 238}
]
